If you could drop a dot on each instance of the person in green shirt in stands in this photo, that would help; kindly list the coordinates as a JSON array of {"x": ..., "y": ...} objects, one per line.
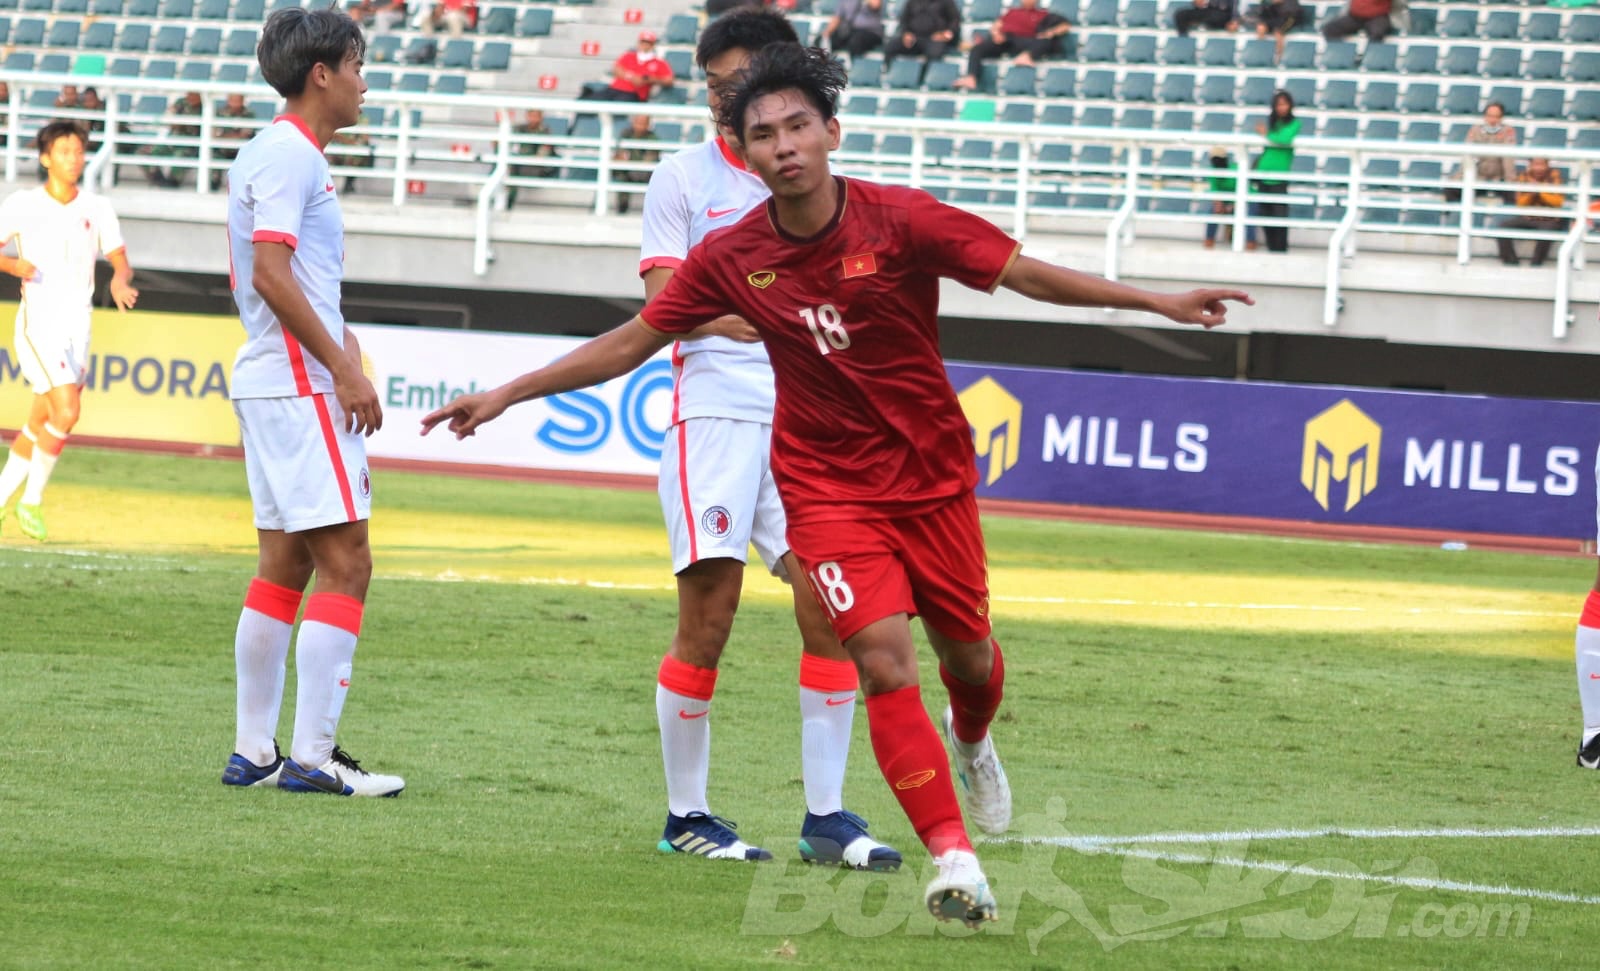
[
  {"x": 1280, "y": 130},
  {"x": 1219, "y": 184}
]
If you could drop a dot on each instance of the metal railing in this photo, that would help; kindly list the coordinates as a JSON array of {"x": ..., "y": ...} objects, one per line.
[{"x": 1025, "y": 177}]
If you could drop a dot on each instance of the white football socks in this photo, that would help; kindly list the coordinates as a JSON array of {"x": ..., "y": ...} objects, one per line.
[
  {"x": 1588, "y": 651},
  {"x": 40, "y": 467},
  {"x": 825, "y": 721},
  {"x": 13, "y": 475},
  {"x": 323, "y": 651},
  {"x": 260, "y": 650},
  {"x": 685, "y": 724}
]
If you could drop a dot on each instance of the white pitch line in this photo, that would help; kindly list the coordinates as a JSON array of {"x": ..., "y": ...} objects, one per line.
[{"x": 1234, "y": 836}]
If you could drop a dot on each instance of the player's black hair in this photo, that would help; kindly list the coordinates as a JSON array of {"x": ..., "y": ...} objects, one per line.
[
  {"x": 56, "y": 130},
  {"x": 812, "y": 71},
  {"x": 750, "y": 28},
  {"x": 294, "y": 40}
]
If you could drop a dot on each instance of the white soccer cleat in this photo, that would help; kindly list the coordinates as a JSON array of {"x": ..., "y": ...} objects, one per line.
[
  {"x": 985, "y": 793},
  {"x": 341, "y": 775},
  {"x": 961, "y": 891}
]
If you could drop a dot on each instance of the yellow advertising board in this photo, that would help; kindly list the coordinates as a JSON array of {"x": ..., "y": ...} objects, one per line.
[{"x": 152, "y": 377}]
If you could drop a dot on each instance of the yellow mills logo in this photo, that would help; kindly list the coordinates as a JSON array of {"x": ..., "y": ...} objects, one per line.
[
  {"x": 1341, "y": 445},
  {"x": 996, "y": 420}
]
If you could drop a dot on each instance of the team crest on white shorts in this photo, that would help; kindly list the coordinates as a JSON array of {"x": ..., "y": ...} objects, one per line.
[
  {"x": 716, "y": 521},
  {"x": 364, "y": 482}
]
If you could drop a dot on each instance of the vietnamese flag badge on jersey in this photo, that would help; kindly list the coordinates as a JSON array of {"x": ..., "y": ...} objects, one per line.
[{"x": 864, "y": 265}]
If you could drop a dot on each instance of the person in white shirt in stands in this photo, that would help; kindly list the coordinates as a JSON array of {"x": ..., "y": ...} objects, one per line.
[
  {"x": 718, "y": 496},
  {"x": 57, "y": 229},
  {"x": 303, "y": 406}
]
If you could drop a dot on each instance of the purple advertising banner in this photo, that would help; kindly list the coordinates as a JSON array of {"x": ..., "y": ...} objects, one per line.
[{"x": 1326, "y": 454}]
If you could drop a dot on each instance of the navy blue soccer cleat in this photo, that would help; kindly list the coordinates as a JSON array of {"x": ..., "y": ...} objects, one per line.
[
  {"x": 841, "y": 838},
  {"x": 243, "y": 772},
  {"x": 712, "y": 837}
]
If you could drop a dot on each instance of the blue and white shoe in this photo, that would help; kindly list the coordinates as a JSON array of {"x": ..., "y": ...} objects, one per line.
[
  {"x": 243, "y": 772},
  {"x": 841, "y": 838},
  {"x": 960, "y": 891},
  {"x": 341, "y": 775},
  {"x": 703, "y": 834}
]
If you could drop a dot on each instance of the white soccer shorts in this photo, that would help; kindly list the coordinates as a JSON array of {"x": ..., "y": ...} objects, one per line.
[
  {"x": 53, "y": 352},
  {"x": 305, "y": 469},
  {"x": 717, "y": 493}
]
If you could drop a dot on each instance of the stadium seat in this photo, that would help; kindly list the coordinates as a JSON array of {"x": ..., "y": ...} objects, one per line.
[
  {"x": 100, "y": 36},
  {"x": 1343, "y": 126},
  {"x": 495, "y": 55},
  {"x": 29, "y": 31},
  {"x": 383, "y": 49},
  {"x": 682, "y": 28},
  {"x": 1547, "y": 103},
  {"x": 905, "y": 74},
  {"x": 205, "y": 41},
  {"x": 249, "y": 11},
  {"x": 1059, "y": 82},
  {"x": 1509, "y": 96},
  {"x": 457, "y": 54},
  {"x": 143, "y": 8},
  {"x": 1100, "y": 13},
  {"x": 866, "y": 72},
  {"x": 899, "y": 107},
  {"x": 860, "y": 104},
  {"x": 1140, "y": 14},
  {"x": 19, "y": 61},
  {"x": 241, "y": 43},
  {"x": 54, "y": 64},
  {"x": 1099, "y": 116},
  {"x": 1177, "y": 88},
  {"x": 1259, "y": 54},
  {"x": 536, "y": 22},
  {"x": 1217, "y": 90},
  {"x": 1543, "y": 26},
  {"x": 1585, "y": 66},
  {"x": 42, "y": 99},
  {"x": 1178, "y": 51},
  {"x": 1586, "y": 106},
  {"x": 898, "y": 146},
  {"x": 1460, "y": 21},
  {"x": 1020, "y": 80},
  {"x": 177, "y": 9},
  {"x": 1012, "y": 112},
  {"x": 72, "y": 6},
  {"x": 421, "y": 50},
  {"x": 1461, "y": 59},
  {"x": 450, "y": 84},
  {"x": 1548, "y": 138},
  {"x": 1098, "y": 84},
  {"x": 32, "y": 6},
  {"x": 1422, "y": 97},
  {"x": 1177, "y": 119},
  {"x": 1544, "y": 66},
  {"x": 1502, "y": 25},
  {"x": 499, "y": 22},
  {"x": 171, "y": 39},
  {"x": 63, "y": 33},
  {"x": 195, "y": 71},
  {"x": 1099, "y": 49},
  {"x": 1504, "y": 62},
  {"x": 161, "y": 69},
  {"x": 124, "y": 67},
  {"x": 1462, "y": 99},
  {"x": 379, "y": 80},
  {"x": 1584, "y": 29},
  {"x": 1139, "y": 86},
  {"x": 1065, "y": 8},
  {"x": 856, "y": 145},
  {"x": 1588, "y": 138},
  {"x": 212, "y": 10},
  {"x": 1059, "y": 114},
  {"x": 1301, "y": 55},
  {"x": 1424, "y": 59},
  {"x": 1216, "y": 122},
  {"x": 937, "y": 147},
  {"x": 413, "y": 82},
  {"x": 1258, "y": 89},
  {"x": 942, "y": 76},
  {"x": 1380, "y": 96},
  {"x": 1219, "y": 52},
  {"x": 1381, "y": 59},
  {"x": 1382, "y": 130},
  {"x": 1381, "y": 172},
  {"x": 944, "y": 109},
  {"x": 232, "y": 73},
  {"x": 1137, "y": 119},
  {"x": 106, "y": 8}
]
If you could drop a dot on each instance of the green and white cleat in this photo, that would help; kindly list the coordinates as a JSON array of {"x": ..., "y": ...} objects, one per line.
[
  {"x": 30, "y": 519},
  {"x": 961, "y": 891},
  {"x": 985, "y": 793}
]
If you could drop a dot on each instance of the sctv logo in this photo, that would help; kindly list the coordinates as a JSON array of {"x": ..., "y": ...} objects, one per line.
[{"x": 583, "y": 421}]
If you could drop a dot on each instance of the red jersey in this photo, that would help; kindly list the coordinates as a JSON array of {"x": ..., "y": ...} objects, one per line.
[
  {"x": 866, "y": 425},
  {"x": 1022, "y": 22},
  {"x": 655, "y": 70}
]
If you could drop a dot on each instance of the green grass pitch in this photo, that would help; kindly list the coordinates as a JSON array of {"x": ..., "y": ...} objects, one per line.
[{"x": 1420, "y": 701}]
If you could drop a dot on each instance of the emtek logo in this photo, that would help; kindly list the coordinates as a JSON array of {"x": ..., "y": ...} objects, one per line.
[
  {"x": 1341, "y": 444},
  {"x": 996, "y": 420}
]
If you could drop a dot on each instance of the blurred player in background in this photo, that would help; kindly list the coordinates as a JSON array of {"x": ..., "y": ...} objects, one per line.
[
  {"x": 59, "y": 229},
  {"x": 872, "y": 454},
  {"x": 303, "y": 406},
  {"x": 1588, "y": 651},
  {"x": 718, "y": 494}
]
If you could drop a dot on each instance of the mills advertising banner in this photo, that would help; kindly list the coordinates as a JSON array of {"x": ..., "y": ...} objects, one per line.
[{"x": 1326, "y": 454}]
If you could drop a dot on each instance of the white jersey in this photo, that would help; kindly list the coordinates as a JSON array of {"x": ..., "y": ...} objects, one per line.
[
  {"x": 62, "y": 241},
  {"x": 280, "y": 190},
  {"x": 692, "y": 193}
]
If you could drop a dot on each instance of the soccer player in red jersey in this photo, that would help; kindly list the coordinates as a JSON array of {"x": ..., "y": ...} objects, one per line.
[{"x": 873, "y": 456}]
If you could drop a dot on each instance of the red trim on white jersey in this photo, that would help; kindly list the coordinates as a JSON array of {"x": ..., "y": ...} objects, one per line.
[
  {"x": 330, "y": 439},
  {"x": 300, "y": 123},
  {"x": 269, "y": 236},
  {"x": 670, "y": 262},
  {"x": 677, "y": 378},
  {"x": 297, "y": 363},
  {"x": 683, "y": 481},
  {"x": 730, "y": 156}
]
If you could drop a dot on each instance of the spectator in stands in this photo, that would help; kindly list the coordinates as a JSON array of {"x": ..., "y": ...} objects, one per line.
[
  {"x": 1280, "y": 130},
  {"x": 1538, "y": 175},
  {"x": 1026, "y": 30},
  {"x": 855, "y": 28},
  {"x": 637, "y": 73},
  {"x": 1277, "y": 17},
  {"x": 230, "y": 136},
  {"x": 389, "y": 16},
  {"x": 68, "y": 97},
  {"x": 1219, "y": 183},
  {"x": 363, "y": 12},
  {"x": 5, "y": 112},
  {"x": 360, "y": 156},
  {"x": 456, "y": 16},
  {"x": 927, "y": 29},
  {"x": 532, "y": 124},
  {"x": 96, "y": 125},
  {"x": 1368, "y": 16},
  {"x": 638, "y": 130},
  {"x": 1491, "y": 168},
  {"x": 1216, "y": 14},
  {"x": 189, "y": 104}
]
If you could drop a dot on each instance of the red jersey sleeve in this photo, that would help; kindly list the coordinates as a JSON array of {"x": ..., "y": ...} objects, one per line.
[
  {"x": 954, "y": 243},
  {"x": 689, "y": 300}
]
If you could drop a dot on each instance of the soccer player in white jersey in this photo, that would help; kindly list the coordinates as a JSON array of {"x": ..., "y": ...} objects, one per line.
[
  {"x": 58, "y": 229},
  {"x": 303, "y": 407},
  {"x": 1588, "y": 653},
  {"x": 718, "y": 496}
]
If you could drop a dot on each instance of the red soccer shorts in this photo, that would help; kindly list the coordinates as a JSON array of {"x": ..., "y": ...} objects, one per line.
[{"x": 931, "y": 565}]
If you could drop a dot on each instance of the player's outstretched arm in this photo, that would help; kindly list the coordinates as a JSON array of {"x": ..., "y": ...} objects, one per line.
[
  {"x": 612, "y": 354},
  {"x": 1049, "y": 283},
  {"x": 122, "y": 292}
]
